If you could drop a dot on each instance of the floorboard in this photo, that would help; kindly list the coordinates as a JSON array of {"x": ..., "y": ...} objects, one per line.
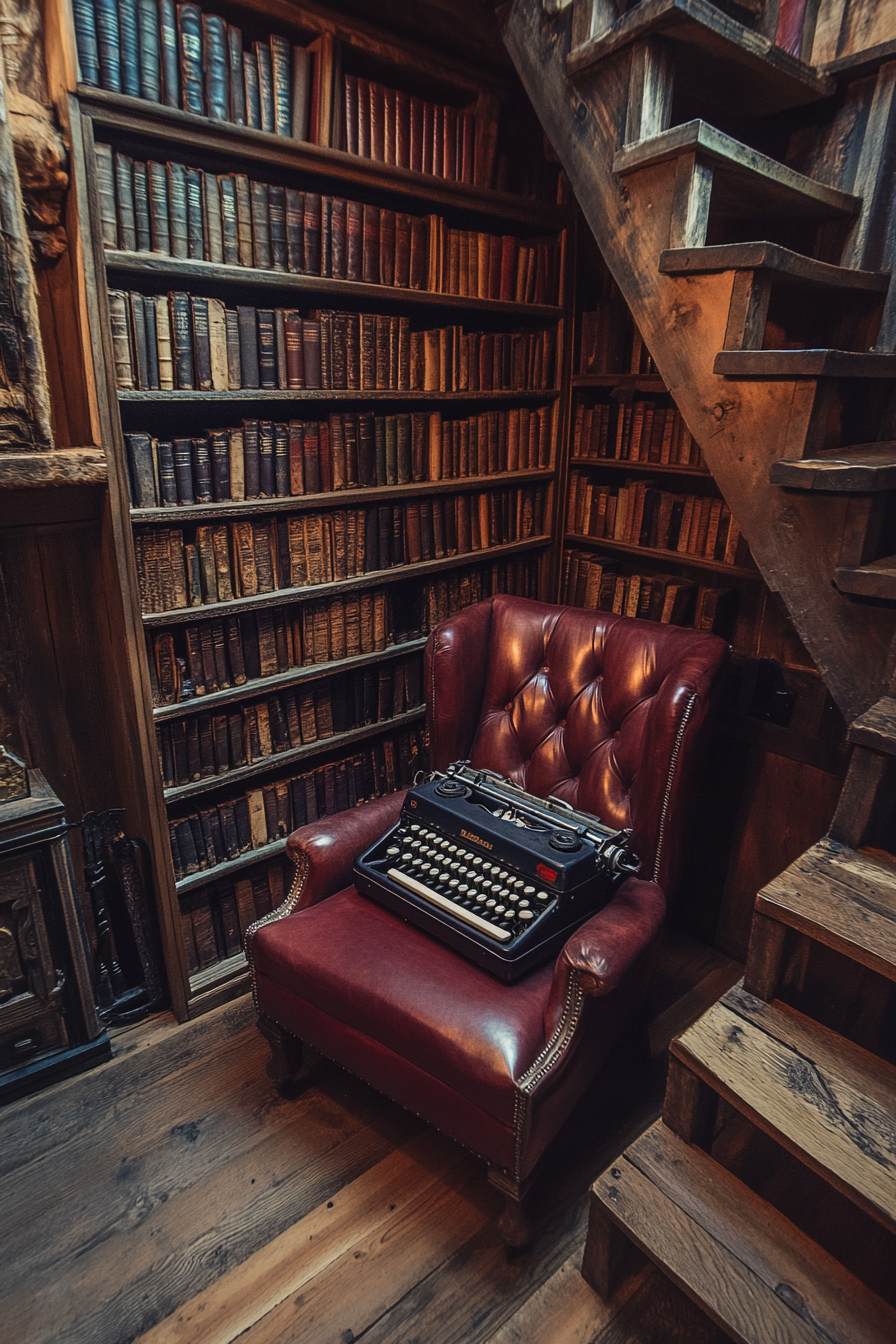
[{"x": 172, "y": 1195}]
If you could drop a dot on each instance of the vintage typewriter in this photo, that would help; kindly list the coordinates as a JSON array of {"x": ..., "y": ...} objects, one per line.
[{"x": 497, "y": 874}]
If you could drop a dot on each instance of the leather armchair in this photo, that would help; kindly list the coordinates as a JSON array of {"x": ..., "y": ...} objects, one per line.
[{"x": 597, "y": 709}]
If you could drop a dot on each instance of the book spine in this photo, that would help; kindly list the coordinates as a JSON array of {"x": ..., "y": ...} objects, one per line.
[
  {"x": 234, "y": 368},
  {"x": 235, "y": 76},
  {"x": 253, "y": 93},
  {"x": 86, "y": 41},
  {"x": 141, "y": 208},
  {"x": 229, "y": 229},
  {"x": 265, "y": 85},
  {"x": 129, "y": 39},
  {"x": 124, "y": 192},
  {"x": 301, "y": 92},
  {"x": 109, "y": 43},
  {"x": 277, "y": 217},
  {"x": 189, "y": 24},
  {"x": 195, "y": 230},
  {"x": 150, "y": 56},
  {"x": 216, "y": 67},
  {"x": 182, "y": 340},
  {"x": 281, "y": 80},
  {"x": 267, "y": 359},
  {"x": 169, "y": 52},
  {"x": 248, "y": 329},
  {"x": 177, "y": 206},
  {"x": 105, "y": 184},
  {"x": 158, "y": 207},
  {"x": 163, "y": 341}
]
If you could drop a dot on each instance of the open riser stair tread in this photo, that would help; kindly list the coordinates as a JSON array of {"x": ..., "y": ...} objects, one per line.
[
  {"x": 877, "y": 579},
  {"x": 803, "y": 364},
  {"x": 876, "y": 728},
  {"x": 842, "y": 898},
  {"x": 865, "y": 468},
  {"x": 757, "y": 185},
  {"x": 754, "y": 1272},
  {"x": 786, "y": 266},
  {"x": 828, "y": 1102}
]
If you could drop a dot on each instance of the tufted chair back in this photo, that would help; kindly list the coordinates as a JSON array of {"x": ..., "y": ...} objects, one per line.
[{"x": 591, "y": 707}]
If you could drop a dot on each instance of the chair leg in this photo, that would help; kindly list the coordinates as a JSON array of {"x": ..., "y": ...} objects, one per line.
[
  {"x": 515, "y": 1222},
  {"x": 293, "y": 1064}
]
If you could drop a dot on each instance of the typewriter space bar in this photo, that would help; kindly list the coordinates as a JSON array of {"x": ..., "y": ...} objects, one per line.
[{"x": 443, "y": 903}]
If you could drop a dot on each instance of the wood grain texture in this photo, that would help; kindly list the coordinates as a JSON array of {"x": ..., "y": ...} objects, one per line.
[
  {"x": 828, "y": 1102},
  {"x": 868, "y": 467},
  {"x": 876, "y": 728},
  {"x": 64, "y": 466},
  {"x": 789, "y": 268}
]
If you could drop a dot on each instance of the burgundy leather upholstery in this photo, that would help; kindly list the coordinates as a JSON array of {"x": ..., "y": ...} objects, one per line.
[{"x": 597, "y": 709}]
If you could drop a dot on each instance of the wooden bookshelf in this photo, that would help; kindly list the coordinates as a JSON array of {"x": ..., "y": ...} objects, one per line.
[
  {"x": 655, "y": 553},
  {"x": 146, "y": 131}
]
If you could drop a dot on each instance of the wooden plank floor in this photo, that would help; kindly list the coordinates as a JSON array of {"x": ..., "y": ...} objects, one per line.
[{"x": 172, "y": 1195}]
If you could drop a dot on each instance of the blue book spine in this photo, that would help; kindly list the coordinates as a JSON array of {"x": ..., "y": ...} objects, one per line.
[
  {"x": 150, "y": 67},
  {"x": 85, "y": 36},
  {"x": 109, "y": 44},
  {"x": 169, "y": 54},
  {"x": 189, "y": 21},
  {"x": 130, "y": 47}
]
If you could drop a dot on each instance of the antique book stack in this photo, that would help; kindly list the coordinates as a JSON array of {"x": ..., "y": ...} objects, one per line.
[{"x": 279, "y": 210}]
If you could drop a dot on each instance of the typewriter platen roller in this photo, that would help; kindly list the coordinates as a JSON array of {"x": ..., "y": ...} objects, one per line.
[{"x": 499, "y": 875}]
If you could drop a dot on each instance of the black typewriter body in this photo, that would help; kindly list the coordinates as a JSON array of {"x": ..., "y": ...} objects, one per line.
[{"x": 497, "y": 874}]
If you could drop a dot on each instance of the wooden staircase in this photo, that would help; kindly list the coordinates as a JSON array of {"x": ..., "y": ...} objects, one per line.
[{"x": 752, "y": 252}]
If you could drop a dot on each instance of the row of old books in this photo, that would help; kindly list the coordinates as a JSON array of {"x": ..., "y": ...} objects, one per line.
[
  {"x": 177, "y": 55},
  {"x": 638, "y": 431},
  {"x": 214, "y": 920},
  {"x": 639, "y": 514},
  {"x": 179, "y": 340},
  {"x": 174, "y": 210},
  {"x": 217, "y": 655},
  {"x": 226, "y": 561},
  {"x": 394, "y": 127},
  {"x": 228, "y": 652},
  {"x": 259, "y": 816},
  {"x": 608, "y": 344},
  {"x": 263, "y": 459},
  {"x": 601, "y": 585},
  {"x": 209, "y": 745}
]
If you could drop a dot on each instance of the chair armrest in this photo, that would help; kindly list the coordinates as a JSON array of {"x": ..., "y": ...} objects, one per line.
[
  {"x": 606, "y": 947},
  {"x": 324, "y": 851}
]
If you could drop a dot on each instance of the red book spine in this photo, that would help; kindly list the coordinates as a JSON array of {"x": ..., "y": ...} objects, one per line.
[
  {"x": 370, "y": 257},
  {"x": 429, "y": 138},
  {"x": 467, "y": 135},
  {"x": 377, "y": 117},
  {"x": 354, "y": 240},
  {"x": 510, "y": 251},
  {"x": 415, "y": 134},
  {"x": 449, "y": 143},
  {"x": 295, "y": 363},
  {"x": 351, "y": 114},
  {"x": 389, "y": 118},
  {"x": 438, "y": 140},
  {"x": 402, "y": 129},
  {"x": 326, "y": 461},
  {"x": 363, "y": 119}
]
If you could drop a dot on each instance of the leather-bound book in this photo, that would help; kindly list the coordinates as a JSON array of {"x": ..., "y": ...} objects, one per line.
[
  {"x": 195, "y": 222},
  {"x": 281, "y": 75},
  {"x": 86, "y": 41},
  {"x": 402, "y": 129},
  {"x": 229, "y": 232},
  {"x": 339, "y": 351},
  {"x": 384, "y": 535},
  {"x": 379, "y": 449},
  {"x": 141, "y": 208},
  {"x": 138, "y": 340},
  {"x": 281, "y": 460},
  {"x": 148, "y": 42},
  {"x": 237, "y": 459},
  {"x": 168, "y": 54},
  {"x": 466, "y": 130},
  {"x": 403, "y": 449},
  {"x": 262, "y": 52},
  {"x": 391, "y": 453},
  {"x": 312, "y": 233},
  {"x": 325, "y": 317},
  {"x": 449, "y": 143},
  {"x": 387, "y": 238},
  {"x": 232, "y": 337},
  {"x": 438, "y": 140},
  {"x": 221, "y": 552},
  {"x": 350, "y": 438},
  {"x": 213, "y": 231},
  {"x": 277, "y": 217},
  {"x": 219, "y": 450},
  {"x": 105, "y": 185},
  {"x": 265, "y": 557},
  {"x": 253, "y": 91},
  {"x": 295, "y": 230},
  {"x": 414, "y": 157},
  {"x": 354, "y": 240},
  {"x": 152, "y": 345},
  {"x": 183, "y": 471},
  {"x": 216, "y": 63},
  {"x": 246, "y": 574},
  {"x": 295, "y": 449},
  {"x": 370, "y": 257},
  {"x": 401, "y": 273},
  {"x": 108, "y": 44},
  {"x": 243, "y": 823},
  {"x": 311, "y": 352},
  {"x": 295, "y": 363},
  {"x": 280, "y": 345},
  {"x": 366, "y": 451},
  {"x": 167, "y": 481},
  {"x": 235, "y": 78},
  {"x": 177, "y": 209},
  {"x": 249, "y": 362},
  {"x": 322, "y": 90},
  {"x": 389, "y": 119},
  {"x": 189, "y": 25},
  {"x": 234, "y": 644},
  {"x": 124, "y": 191},
  {"x": 414, "y": 532},
  {"x": 326, "y": 260},
  {"x": 266, "y": 476},
  {"x": 202, "y": 470},
  {"x": 261, "y": 226},
  {"x": 251, "y": 449},
  {"x": 510, "y": 250},
  {"x": 129, "y": 41},
  {"x": 337, "y": 450},
  {"x": 202, "y": 353},
  {"x": 243, "y": 219},
  {"x": 142, "y": 471},
  {"x": 450, "y": 515},
  {"x": 301, "y": 92},
  {"x": 377, "y": 122},
  {"x": 157, "y": 174},
  {"x": 350, "y": 103},
  {"x": 417, "y": 265},
  {"x": 311, "y": 457}
]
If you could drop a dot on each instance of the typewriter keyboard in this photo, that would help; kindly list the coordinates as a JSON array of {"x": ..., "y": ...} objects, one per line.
[{"x": 486, "y": 895}]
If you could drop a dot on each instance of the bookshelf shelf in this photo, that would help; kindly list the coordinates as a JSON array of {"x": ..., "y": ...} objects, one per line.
[
  {"x": 339, "y": 395},
  {"x": 655, "y": 553},
  {"x": 376, "y": 578},
  {"x": 214, "y": 783},
  {"x": 187, "y": 132},
  {"x": 152, "y": 266},
  {"x": 222, "y": 971},
  {"x": 222, "y": 871},
  {"x": 335, "y": 499},
  {"x": 281, "y": 680},
  {"x": 653, "y": 468},
  {"x": 630, "y": 382}
]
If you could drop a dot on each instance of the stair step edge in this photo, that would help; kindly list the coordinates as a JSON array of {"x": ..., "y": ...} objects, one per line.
[
  {"x": 790, "y": 267},
  {"x": 726, "y": 152},
  {"x": 876, "y": 728},
  {"x": 841, "y": 898},
  {"x": 875, "y": 579},
  {"x": 821, "y": 363},
  {"x": 828, "y": 1102},
  {"x": 846, "y": 471},
  {"x": 731, "y": 1251}
]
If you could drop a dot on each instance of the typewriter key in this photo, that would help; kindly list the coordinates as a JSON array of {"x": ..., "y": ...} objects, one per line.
[{"x": 526, "y": 914}]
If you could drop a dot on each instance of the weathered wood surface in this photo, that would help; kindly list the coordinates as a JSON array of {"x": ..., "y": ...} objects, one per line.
[
  {"x": 789, "y": 268},
  {"x": 741, "y": 427},
  {"x": 876, "y": 728},
  {"x": 841, "y": 898},
  {"x": 804, "y": 364},
  {"x": 877, "y": 578},
  {"x": 742, "y": 65},
  {"x": 63, "y": 466},
  {"x": 825, "y": 1100},
  {"x": 752, "y": 1269},
  {"x": 177, "y": 1184},
  {"x": 869, "y": 467}
]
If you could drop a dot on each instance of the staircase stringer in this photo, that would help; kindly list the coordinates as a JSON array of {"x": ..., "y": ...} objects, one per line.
[{"x": 743, "y": 425}]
